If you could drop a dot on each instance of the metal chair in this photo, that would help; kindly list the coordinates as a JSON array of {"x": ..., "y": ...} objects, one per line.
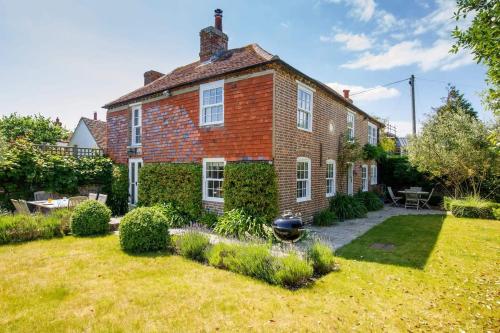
[
  {"x": 412, "y": 200},
  {"x": 41, "y": 195},
  {"x": 416, "y": 188},
  {"x": 93, "y": 196},
  {"x": 425, "y": 202},
  {"x": 21, "y": 206},
  {"x": 102, "y": 198},
  {"x": 394, "y": 198},
  {"x": 74, "y": 201}
]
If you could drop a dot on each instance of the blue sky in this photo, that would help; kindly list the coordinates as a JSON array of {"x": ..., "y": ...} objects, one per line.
[{"x": 68, "y": 58}]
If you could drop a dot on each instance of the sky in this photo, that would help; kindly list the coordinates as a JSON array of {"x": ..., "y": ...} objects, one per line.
[{"x": 68, "y": 58}]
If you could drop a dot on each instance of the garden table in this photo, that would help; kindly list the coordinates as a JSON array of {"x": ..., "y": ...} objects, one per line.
[{"x": 46, "y": 206}]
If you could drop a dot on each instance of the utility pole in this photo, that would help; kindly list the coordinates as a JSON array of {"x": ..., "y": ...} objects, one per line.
[{"x": 414, "y": 121}]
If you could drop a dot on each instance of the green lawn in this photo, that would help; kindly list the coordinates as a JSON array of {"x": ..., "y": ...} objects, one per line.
[{"x": 441, "y": 276}]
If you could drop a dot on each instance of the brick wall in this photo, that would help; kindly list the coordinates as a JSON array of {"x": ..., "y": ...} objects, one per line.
[
  {"x": 319, "y": 145},
  {"x": 118, "y": 134}
]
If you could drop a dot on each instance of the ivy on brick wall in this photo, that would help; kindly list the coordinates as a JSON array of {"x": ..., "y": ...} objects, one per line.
[
  {"x": 178, "y": 183},
  {"x": 252, "y": 187}
]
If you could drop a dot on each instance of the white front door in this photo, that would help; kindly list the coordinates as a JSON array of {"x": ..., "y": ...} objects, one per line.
[
  {"x": 134, "y": 165},
  {"x": 350, "y": 179}
]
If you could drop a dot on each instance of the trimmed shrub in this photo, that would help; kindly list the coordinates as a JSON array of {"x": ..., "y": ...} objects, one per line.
[
  {"x": 347, "y": 207},
  {"x": 175, "y": 218},
  {"x": 292, "y": 271},
  {"x": 253, "y": 187},
  {"x": 321, "y": 258},
  {"x": 192, "y": 245},
  {"x": 496, "y": 213},
  {"x": 178, "y": 183},
  {"x": 473, "y": 208},
  {"x": 208, "y": 219},
  {"x": 324, "y": 218},
  {"x": 90, "y": 218},
  {"x": 370, "y": 200},
  {"x": 118, "y": 191},
  {"x": 144, "y": 229},
  {"x": 21, "y": 228},
  {"x": 237, "y": 223}
]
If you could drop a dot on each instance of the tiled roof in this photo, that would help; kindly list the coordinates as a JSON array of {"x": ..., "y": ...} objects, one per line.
[
  {"x": 98, "y": 130},
  {"x": 230, "y": 60}
]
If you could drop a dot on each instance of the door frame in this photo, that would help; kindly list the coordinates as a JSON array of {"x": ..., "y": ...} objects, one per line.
[
  {"x": 350, "y": 178},
  {"x": 135, "y": 187}
]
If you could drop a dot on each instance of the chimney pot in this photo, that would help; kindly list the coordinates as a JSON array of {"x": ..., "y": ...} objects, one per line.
[
  {"x": 346, "y": 93},
  {"x": 218, "y": 19},
  {"x": 95, "y": 115}
]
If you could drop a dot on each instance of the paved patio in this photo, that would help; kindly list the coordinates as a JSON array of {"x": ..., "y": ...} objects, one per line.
[{"x": 345, "y": 232}]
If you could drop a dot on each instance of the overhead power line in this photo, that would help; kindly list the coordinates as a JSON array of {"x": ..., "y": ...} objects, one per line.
[{"x": 383, "y": 85}]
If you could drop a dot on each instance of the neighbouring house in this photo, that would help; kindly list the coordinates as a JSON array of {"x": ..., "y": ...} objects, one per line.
[
  {"x": 89, "y": 133},
  {"x": 243, "y": 104}
]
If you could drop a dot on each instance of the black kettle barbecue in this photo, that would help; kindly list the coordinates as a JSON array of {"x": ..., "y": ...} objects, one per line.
[{"x": 288, "y": 228}]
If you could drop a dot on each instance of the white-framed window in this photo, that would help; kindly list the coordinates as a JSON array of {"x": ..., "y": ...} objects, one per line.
[
  {"x": 372, "y": 134},
  {"x": 364, "y": 178},
  {"x": 331, "y": 174},
  {"x": 304, "y": 107},
  {"x": 303, "y": 179},
  {"x": 136, "y": 125},
  {"x": 373, "y": 174},
  {"x": 350, "y": 125},
  {"x": 213, "y": 179},
  {"x": 212, "y": 103}
]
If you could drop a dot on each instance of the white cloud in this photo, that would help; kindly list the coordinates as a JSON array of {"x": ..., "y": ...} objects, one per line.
[
  {"x": 411, "y": 53},
  {"x": 374, "y": 93},
  {"x": 440, "y": 20},
  {"x": 352, "y": 42},
  {"x": 285, "y": 25},
  {"x": 362, "y": 10}
]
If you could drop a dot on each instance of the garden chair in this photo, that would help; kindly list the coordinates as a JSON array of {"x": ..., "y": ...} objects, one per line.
[
  {"x": 41, "y": 196},
  {"x": 394, "y": 198},
  {"x": 416, "y": 188},
  {"x": 102, "y": 198},
  {"x": 93, "y": 196},
  {"x": 21, "y": 206},
  {"x": 425, "y": 202},
  {"x": 74, "y": 201},
  {"x": 412, "y": 200}
]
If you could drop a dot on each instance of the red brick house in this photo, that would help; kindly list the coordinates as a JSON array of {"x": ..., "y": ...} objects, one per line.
[{"x": 242, "y": 104}]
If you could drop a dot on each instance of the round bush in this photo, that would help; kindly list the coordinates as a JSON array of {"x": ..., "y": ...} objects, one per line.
[
  {"x": 90, "y": 218},
  {"x": 144, "y": 229}
]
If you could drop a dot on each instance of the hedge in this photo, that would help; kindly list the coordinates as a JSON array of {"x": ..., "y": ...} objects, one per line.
[
  {"x": 21, "y": 228},
  {"x": 117, "y": 191},
  {"x": 178, "y": 183},
  {"x": 252, "y": 187},
  {"x": 472, "y": 208}
]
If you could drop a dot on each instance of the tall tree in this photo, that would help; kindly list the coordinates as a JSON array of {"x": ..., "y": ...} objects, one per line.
[
  {"x": 456, "y": 101},
  {"x": 36, "y": 129},
  {"x": 482, "y": 37},
  {"x": 455, "y": 148}
]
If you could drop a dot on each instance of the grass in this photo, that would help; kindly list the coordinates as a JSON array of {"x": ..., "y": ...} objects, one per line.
[{"x": 89, "y": 284}]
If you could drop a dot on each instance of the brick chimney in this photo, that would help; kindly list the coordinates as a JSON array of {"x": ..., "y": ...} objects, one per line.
[
  {"x": 346, "y": 95},
  {"x": 212, "y": 39},
  {"x": 151, "y": 76},
  {"x": 95, "y": 115}
]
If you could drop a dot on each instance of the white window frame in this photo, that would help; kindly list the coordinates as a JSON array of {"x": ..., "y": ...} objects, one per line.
[
  {"x": 209, "y": 86},
  {"x": 353, "y": 115},
  {"x": 205, "y": 179},
  {"x": 308, "y": 180},
  {"x": 364, "y": 178},
  {"x": 372, "y": 134},
  {"x": 310, "y": 91},
  {"x": 138, "y": 108},
  {"x": 373, "y": 174},
  {"x": 330, "y": 192}
]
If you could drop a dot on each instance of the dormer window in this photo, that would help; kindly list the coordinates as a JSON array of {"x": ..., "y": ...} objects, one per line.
[
  {"x": 212, "y": 103},
  {"x": 136, "y": 125}
]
